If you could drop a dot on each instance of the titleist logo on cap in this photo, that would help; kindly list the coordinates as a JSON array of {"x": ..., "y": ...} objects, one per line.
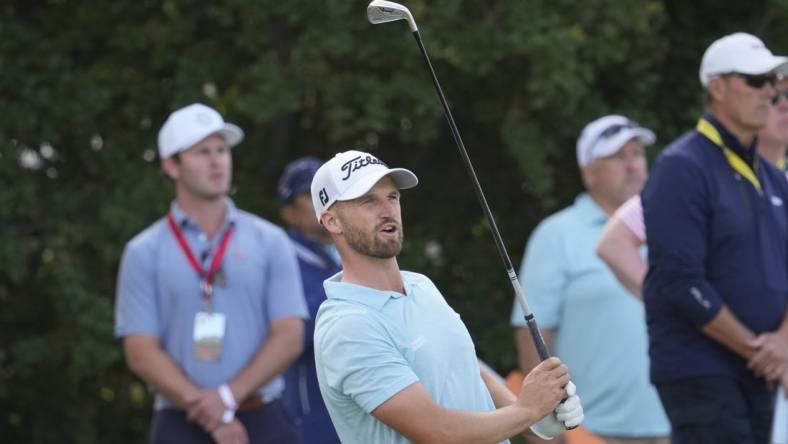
[{"x": 359, "y": 162}]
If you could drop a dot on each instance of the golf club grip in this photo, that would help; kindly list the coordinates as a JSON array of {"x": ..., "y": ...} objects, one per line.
[{"x": 541, "y": 347}]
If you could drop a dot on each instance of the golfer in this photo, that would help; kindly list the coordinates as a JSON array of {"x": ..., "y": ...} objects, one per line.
[{"x": 395, "y": 363}]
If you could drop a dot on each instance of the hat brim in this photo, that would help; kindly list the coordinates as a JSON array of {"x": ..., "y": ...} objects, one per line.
[
  {"x": 776, "y": 64},
  {"x": 612, "y": 145},
  {"x": 767, "y": 65},
  {"x": 232, "y": 134},
  {"x": 402, "y": 177}
]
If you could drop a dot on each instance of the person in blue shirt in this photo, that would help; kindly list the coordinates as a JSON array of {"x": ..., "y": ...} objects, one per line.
[
  {"x": 717, "y": 232},
  {"x": 209, "y": 302},
  {"x": 586, "y": 315},
  {"x": 318, "y": 261},
  {"x": 395, "y": 363}
]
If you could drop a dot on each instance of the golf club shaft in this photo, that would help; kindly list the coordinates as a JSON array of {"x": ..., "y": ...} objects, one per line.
[{"x": 539, "y": 343}]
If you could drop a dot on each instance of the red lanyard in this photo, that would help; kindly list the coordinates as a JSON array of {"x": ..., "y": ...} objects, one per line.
[{"x": 206, "y": 275}]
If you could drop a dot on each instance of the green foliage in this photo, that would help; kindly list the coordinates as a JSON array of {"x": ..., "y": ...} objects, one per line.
[{"x": 86, "y": 85}]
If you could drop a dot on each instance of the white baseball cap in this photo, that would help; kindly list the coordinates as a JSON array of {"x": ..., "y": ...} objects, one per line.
[
  {"x": 349, "y": 175},
  {"x": 191, "y": 124},
  {"x": 606, "y": 135},
  {"x": 739, "y": 53}
]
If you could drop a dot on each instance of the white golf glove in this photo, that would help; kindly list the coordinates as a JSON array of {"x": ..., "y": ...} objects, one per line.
[{"x": 568, "y": 414}]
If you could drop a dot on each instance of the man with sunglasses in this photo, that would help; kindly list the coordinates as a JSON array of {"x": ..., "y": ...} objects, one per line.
[
  {"x": 773, "y": 139},
  {"x": 717, "y": 229},
  {"x": 588, "y": 318}
]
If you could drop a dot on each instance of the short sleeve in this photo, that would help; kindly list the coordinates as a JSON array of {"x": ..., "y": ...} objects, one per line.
[
  {"x": 361, "y": 361},
  {"x": 136, "y": 310}
]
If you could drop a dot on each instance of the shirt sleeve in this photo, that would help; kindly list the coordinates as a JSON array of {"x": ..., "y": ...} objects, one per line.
[
  {"x": 361, "y": 361},
  {"x": 631, "y": 214},
  {"x": 544, "y": 276},
  {"x": 676, "y": 212},
  {"x": 136, "y": 309},
  {"x": 284, "y": 292}
]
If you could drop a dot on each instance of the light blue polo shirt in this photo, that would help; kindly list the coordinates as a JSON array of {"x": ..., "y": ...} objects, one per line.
[
  {"x": 158, "y": 292},
  {"x": 600, "y": 328},
  {"x": 371, "y": 344}
]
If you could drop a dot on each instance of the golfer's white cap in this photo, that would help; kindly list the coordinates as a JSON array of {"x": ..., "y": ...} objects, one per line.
[
  {"x": 606, "y": 135},
  {"x": 191, "y": 124},
  {"x": 351, "y": 174},
  {"x": 739, "y": 53}
]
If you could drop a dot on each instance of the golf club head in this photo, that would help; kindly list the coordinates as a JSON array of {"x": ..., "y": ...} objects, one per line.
[{"x": 382, "y": 11}]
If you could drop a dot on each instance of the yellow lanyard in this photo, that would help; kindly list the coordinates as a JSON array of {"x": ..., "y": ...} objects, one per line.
[{"x": 736, "y": 162}]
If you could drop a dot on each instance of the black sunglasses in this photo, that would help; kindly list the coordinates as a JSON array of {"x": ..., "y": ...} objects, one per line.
[
  {"x": 756, "y": 80},
  {"x": 780, "y": 93}
]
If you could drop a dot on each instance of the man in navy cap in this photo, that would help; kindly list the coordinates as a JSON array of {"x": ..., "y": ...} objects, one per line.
[{"x": 318, "y": 261}]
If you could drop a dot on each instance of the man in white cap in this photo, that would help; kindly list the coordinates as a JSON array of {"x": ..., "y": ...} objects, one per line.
[
  {"x": 209, "y": 305},
  {"x": 587, "y": 317},
  {"x": 716, "y": 292},
  {"x": 395, "y": 363}
]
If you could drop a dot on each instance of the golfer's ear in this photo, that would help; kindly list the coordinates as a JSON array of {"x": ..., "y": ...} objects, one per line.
[{"x": 331, "y": 222}]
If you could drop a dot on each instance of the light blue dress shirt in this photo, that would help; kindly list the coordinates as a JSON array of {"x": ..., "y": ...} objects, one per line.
[
  {"x": 370, "y": 345},
  {"x": 600, "y": 328},
  {"x": 158, "y": 292}
]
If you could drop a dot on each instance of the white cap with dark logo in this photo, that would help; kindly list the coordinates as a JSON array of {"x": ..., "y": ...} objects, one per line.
[
  {"x": 350, "y": 175},
  {"x": 606, "y": 135},
  {"x": 191, "y": 124},
  {"x": 740, "y": 53}
]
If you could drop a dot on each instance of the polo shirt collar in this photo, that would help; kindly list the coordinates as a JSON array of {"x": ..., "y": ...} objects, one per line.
[
  {"x": 185, "y": 222},
  {"x": 589, "y": 210},
  {"x": 376, "y": 299},
  {"x": 746, "y": 153}
]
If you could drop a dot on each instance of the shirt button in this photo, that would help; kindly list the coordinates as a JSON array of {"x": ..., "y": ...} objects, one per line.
[{"x": 202, "y": 237}]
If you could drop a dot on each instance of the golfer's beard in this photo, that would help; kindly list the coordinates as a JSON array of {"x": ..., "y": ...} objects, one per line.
[{"x": 369, "y": 244}]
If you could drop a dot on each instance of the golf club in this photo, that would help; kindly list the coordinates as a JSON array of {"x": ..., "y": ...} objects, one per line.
[{"x": 381, "y": 11}]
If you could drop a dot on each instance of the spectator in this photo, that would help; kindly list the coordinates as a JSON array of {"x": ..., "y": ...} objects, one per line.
[
  {"x": 318, "y": 261},
  {"x": 587, "y": 317},
  {"x": 209, "y": 300},
  {"x": 625, "y": 233},
  {"x": 715, "y": 293}
]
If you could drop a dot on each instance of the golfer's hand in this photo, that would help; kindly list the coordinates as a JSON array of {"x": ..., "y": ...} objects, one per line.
[
  {"x": 543, "y": 387},
  {"x": 231, "y": 433},
  {"x": 206, "y": 408},
  {"x": 568, "y": 414},
  {"x": 770, "y": 360}
]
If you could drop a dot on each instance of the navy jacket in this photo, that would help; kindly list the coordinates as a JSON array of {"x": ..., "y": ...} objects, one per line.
[
  {"x": 302, "y": 394},
  {"x": 713, "y": 239}
]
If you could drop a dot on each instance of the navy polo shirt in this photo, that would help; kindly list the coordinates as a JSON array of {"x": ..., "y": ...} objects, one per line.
[{"x": 713, "y": 239}]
